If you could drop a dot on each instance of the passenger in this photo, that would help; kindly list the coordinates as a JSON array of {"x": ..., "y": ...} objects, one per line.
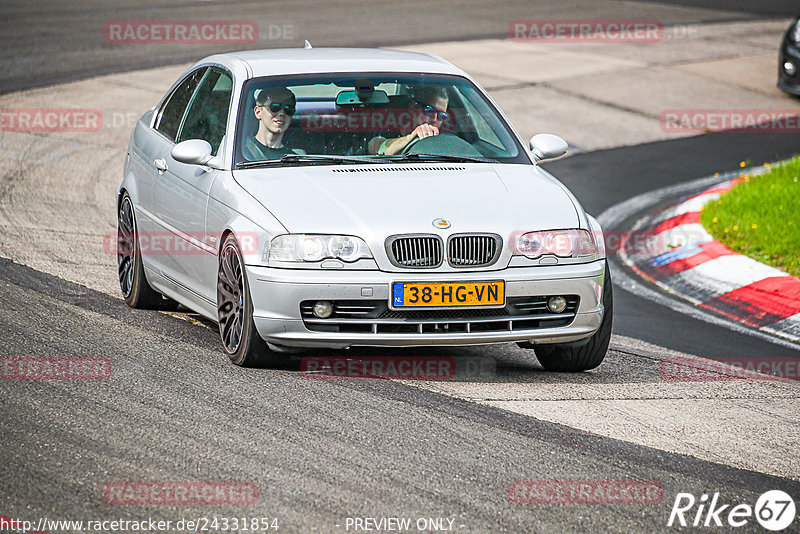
[
  {"x": 429, "y": 112},
  {"x": 274, "y": 109}
]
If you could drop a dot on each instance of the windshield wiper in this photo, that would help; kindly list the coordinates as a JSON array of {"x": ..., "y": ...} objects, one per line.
[
  {"x": 442, "y": 157},
  {"x": 310, "y": 158}
]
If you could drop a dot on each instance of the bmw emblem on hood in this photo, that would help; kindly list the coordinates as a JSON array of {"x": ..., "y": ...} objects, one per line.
[{"x": 441, "y": 223}]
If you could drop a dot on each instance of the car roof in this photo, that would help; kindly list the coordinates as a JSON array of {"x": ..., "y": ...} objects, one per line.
[{"x": 273, "y": 62}]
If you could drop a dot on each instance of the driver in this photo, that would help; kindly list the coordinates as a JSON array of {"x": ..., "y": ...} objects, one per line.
[
  {"x": 274, "y": 109},
  {"x": 429, "y": 111}
]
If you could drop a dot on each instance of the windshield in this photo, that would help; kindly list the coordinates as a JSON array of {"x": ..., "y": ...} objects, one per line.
[{"x": 403, "y": 117}]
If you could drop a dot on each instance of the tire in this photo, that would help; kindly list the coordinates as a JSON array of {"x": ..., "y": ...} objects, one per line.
[
  {"x": 130, "y": 270},
  {"x": 237, "y": 330},
  {"x": 573, "y": 359}
]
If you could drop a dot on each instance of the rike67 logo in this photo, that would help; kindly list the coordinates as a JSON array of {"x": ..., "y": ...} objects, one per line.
[{"x": 774, "y": 510}]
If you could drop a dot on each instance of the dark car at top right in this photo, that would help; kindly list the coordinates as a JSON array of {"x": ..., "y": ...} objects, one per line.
[{"x": 789, "y": 60}]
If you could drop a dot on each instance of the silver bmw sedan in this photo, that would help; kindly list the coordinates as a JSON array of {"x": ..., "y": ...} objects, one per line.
[{"x": 332, "y": 198}]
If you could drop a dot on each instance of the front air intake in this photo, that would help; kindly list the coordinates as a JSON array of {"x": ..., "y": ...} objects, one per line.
[
  {"x": 473, "y": 250},
  {"x": 415, "y": 251}
]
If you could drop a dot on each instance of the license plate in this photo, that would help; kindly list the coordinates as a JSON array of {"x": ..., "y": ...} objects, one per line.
[{"x": 439, "y": 294}]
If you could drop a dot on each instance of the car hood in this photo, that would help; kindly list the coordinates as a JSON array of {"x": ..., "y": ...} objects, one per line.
[{"x": 376, "y": 201}]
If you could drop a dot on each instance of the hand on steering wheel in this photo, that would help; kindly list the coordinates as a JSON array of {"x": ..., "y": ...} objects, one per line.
[
  {"x": 425, "y": 130},
  {"x": 420, "y": 132}
]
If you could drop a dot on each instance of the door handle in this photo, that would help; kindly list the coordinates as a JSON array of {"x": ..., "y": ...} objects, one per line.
[{"x": 161, "y": 164}]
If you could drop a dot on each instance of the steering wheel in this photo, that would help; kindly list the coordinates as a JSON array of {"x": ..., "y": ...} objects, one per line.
[{"x": 444, "y": 144}]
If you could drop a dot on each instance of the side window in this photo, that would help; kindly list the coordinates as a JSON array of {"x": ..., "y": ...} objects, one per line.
[
  {"x": 169, "y": 118},
  {"x": 207, "y": 115}
]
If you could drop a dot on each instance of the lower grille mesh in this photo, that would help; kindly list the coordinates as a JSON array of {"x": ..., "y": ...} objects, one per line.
[{"x": 374, "y": 316}]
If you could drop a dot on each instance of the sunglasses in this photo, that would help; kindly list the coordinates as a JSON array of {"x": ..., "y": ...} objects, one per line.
[
  {"x": 433, "y": 112},
  {"x": 275, "y": 107}
]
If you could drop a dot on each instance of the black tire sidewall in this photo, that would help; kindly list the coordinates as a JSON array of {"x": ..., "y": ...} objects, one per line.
[
  {"x": 250, "y": 344},
  {"x": 588, "y": 356}
]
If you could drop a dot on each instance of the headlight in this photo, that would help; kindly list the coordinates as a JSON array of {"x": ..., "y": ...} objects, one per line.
[
  {"x": 564, "y": 243},
  {"x": 311, "y": 248},
  {"x": 794, "y": 36}
]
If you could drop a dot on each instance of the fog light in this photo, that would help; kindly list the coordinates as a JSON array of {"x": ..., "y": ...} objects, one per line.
[
  {"x": 789, "y": 68},
  {"x": 556, "y": 304},
  {"x": 323, "y": 309}
]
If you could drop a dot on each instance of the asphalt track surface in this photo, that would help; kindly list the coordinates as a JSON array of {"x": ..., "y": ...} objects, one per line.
[{"x": 321, "y": 451}]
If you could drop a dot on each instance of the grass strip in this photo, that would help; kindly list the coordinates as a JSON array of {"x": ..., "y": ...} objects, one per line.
[{"x": 760, "y": 217}]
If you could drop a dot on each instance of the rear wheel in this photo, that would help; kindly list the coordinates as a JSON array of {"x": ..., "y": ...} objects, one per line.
[
  {"x": 237, "y": 329},
  {"x": 130, "y": 270},
  {"x": 567, "y": 358}
]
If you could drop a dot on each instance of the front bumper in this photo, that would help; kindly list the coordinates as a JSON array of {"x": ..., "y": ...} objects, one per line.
[{"x": 277, "y": 294}]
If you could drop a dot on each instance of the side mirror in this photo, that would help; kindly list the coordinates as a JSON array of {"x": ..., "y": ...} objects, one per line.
[
  {"x": 548, "y": 146},
  {"x": 192, "y": 152}
]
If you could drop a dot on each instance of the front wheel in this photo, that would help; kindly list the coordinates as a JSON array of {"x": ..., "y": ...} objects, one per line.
[
  {"x": 565, "y": 358},
  {"x": 237, "y": 329}
]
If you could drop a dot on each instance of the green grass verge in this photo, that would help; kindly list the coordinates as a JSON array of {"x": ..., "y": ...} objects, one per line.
[{"x": 760, "y": 217}]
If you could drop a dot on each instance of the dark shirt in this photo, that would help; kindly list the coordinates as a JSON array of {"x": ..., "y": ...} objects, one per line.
[{"x": 254, "y": 150}]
